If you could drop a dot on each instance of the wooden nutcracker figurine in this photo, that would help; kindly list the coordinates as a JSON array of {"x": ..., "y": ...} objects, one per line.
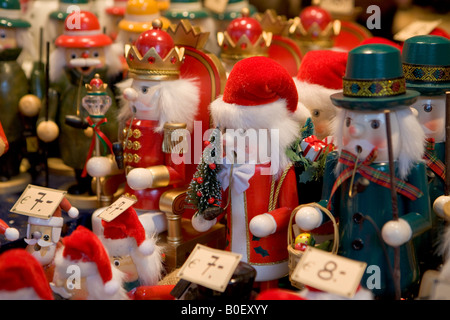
[
  {"x": 426, "y": 65},
  {"x": 80, "y": 54},
  {"x": 319, "y": 76},
  {"x": 244, "y": 37},
  {"x": 156, "y": 103},
  {"x": 376, "y": 221},
  {"x": 259, "y": 97},
  {"x": 15, "y": 43},
  {"x": 132, "y": 251},
  {"x": 43, "y": 236},
  {"x": 83, "y": 270},
  {"x": 22, "y": 277}
]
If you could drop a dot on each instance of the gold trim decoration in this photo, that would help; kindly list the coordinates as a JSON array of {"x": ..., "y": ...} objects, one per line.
[
  {"x": 161, "y": 176},
  {"x": 414, "y": 72},
  {"x": 374, "y": 88},
  {"x": 137, "y": 133},
  {"x": 171, "y": 145},
  {"x": 186, "y": 34}
]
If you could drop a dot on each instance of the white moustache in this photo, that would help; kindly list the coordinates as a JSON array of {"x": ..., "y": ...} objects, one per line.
[
  {"x": 84, "y": 62},
  {"x": 40, "y": 242}
]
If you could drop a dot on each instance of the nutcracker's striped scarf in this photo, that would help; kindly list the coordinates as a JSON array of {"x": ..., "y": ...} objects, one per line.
[
  {"x": 436, "y": 165},
  {"x": 363, "y": 167}
]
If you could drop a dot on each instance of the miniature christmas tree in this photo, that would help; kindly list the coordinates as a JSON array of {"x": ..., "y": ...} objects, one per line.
[{"x": 204, "y": 191}]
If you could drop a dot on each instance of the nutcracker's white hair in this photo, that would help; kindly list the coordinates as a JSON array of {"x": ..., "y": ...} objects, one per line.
[
  {"x": 176, "y": 101},
  {"x": 58, "y": 62},
  {"x": 412, "y": 138}
]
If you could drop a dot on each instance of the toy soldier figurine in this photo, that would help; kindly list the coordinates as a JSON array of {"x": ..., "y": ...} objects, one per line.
[{"x": 357, "y": 185}]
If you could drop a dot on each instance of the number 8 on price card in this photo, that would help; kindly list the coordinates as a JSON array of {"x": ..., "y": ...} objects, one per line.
[{"x": 329, "y": 272}]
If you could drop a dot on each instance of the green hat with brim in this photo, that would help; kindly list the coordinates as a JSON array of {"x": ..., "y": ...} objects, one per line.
[
  {"x": 374, "y": 80},
  {"x": 62, "y": 13},
  {"x": 10, "y": 15},
  {"x": 186, "y": 9},
  {"x": 426, "y": 64}
]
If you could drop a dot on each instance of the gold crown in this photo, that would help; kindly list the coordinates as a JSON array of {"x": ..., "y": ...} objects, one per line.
[
  {"x": 314, "y": 36},
  {"x": 185, "y": 34},
  {"x": 243, "y": 47},
  {"x": 96, "y": 86},
  {"x": 271, "y": 22},
  {"x": 151, "y": 66}
]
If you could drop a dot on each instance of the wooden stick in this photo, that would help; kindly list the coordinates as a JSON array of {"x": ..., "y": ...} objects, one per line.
[
  {"x": 447, "y": 144},
  {"x": 397, "y": 273}
]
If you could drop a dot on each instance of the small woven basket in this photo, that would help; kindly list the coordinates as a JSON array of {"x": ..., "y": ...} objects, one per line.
[{"x": 295, "y": 255}]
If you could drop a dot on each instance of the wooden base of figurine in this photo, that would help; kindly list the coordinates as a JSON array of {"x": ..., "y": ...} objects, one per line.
[
  {"x": 87, "y": 201},
  {"x": 429, "y": 280},
  {"x": 57, "y": 167},
  {"x": 15, "y": 184}
]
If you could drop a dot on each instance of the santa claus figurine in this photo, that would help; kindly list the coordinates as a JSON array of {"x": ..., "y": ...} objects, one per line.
[
  {"x": 156, "y": 103},
  {"x": 357, "y": 185},
  {"x": 83, "y": 270},
  {"x": 22, "y": 277},
  {"x": 43, "y": 236},
  {"x": 82, "y": 51},
  {"x": 131, "y": 250},
  {"x": 426, "y": 64},
  {"x": 260, "y": 101},
  {"x": 319, "y": 76}
]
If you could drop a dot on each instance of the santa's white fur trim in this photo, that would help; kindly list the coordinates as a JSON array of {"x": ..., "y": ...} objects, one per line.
[
  {"x": 176, "y": 100},
  {"x": 52, "y": 222},
  {"x": 147, "y": 247},
  {"x": 269, "y": 116}
]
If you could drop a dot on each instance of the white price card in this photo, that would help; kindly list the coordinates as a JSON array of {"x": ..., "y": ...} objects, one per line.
[
  {"x": 440, "y": 290},
  {"x": 211, "y": 268},
  {"x": 116, "y": 208},
  {"x": 338, "y": 6},
  {"x": 329, "y": 272},
  {"x": 217, "y": 6},
  {"x": 416, "y": 28},
  {"x": 39, "y": 202}
]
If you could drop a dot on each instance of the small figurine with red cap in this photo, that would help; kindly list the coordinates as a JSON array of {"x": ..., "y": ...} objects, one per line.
[
  {"x": 259, "y": 97},
  {"x": 83, "y": 270},
  {"x": 43, "y": 236},
  {"x": 81, "y": 53},
  {"x": 22, "y": 277},
  {"x": 244, "y": 37},
  {"x": 132, "y": 251}
]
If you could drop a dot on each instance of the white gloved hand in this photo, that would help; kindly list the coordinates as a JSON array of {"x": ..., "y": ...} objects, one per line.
[
  {"x": 200, "y": 224},
  {"x": 262, "y": 225},
  {"x": 140, "y": 179},
  {"x": 439, "y": 206},
  {"x": 308, "y": 218},
  {"x": 396, "y": 232}
]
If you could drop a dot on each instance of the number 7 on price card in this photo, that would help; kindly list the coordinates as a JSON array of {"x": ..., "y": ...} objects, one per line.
[{"x": 211, "y": 268}]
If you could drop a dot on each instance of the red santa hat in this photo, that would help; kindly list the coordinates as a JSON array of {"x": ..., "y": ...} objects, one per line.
[
  {"x": 20, "y": 270},
  {"x": 324, "y": 68},
  {"x": 127, "y": 233},
  {"x": 10, "y": 234},
  {"x": 84, "y": 247},
  {"x": 82, "y": 30},
  {"x": 260, "y": 94}
]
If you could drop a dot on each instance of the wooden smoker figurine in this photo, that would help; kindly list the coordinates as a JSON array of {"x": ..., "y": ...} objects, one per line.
[
  {"x": 80, "y": 54},
  {"x": 358, "y": 188},
  {"x": 426, "y": 65},
  {"x": 15, "y": 41}
]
